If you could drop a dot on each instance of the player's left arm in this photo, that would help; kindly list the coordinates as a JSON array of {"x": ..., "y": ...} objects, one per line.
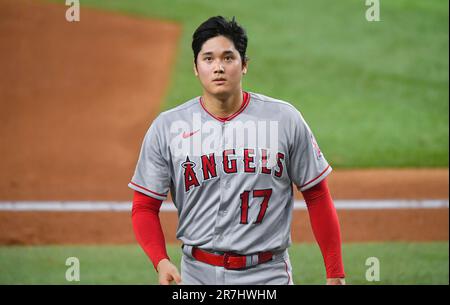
[{"x": 326, "y": 229}]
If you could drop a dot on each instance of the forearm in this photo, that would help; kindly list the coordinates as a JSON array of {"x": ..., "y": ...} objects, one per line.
[
  {"x": 326, "y": 229},
  {"x": 147, "y": 227}
]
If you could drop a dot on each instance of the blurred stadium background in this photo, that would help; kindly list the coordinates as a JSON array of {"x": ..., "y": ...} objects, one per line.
[{"x": 77, "y": 98}]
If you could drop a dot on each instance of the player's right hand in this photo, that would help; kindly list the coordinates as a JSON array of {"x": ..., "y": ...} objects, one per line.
[
  {"x": 335, "y": 281},
  {"x": 167, "y": 272}
]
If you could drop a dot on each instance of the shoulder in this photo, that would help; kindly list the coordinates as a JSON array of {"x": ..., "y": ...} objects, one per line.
[
  {"x": 284, "y": 108},
  {"x": 177, "y": 112},
  {"x": 192, "y": 104},
  {"x": 160, "y": 125}
]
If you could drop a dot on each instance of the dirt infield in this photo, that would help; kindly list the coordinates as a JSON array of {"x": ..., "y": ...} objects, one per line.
[
  {"x": 25, "y": 228},
  {"x": 76, "y": 101}
]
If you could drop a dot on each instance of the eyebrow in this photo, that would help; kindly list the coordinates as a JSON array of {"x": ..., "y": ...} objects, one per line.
[{"x": 223, "y": 53}]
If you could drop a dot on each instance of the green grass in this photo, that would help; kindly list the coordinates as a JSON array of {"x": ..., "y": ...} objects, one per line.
[
  {"x": 374, "y": 93},
  {"x": 400, "y": 263}
]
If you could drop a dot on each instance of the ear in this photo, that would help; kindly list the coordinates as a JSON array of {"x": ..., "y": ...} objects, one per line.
[
  {"x": 195, "y": 69},
  {"x": 245, "y": 68}
]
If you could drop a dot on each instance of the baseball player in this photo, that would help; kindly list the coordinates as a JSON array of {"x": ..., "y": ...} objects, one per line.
[{"x": 230, "y": 159}]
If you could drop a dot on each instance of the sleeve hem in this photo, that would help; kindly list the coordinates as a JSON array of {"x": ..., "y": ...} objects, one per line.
[
  {"x": 146, "y": 191},
  {"x": 316, "y": 180}
]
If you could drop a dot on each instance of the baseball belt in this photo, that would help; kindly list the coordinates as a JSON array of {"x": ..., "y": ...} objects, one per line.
[{"x": 230, "y": 260}]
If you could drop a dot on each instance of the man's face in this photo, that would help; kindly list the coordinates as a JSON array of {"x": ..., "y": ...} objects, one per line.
[{"x": 219, "y": 66}]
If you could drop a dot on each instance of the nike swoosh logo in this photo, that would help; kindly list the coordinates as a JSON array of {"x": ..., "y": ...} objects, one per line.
[{"x": 189, "y": 134}]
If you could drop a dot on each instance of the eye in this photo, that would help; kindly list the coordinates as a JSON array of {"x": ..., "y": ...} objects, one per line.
[
  {"x": 228, "y": 58},
  {"x": 207, "y": 58}
]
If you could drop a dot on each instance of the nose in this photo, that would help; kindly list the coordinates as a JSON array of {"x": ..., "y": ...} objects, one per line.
[{"x": 219, "y": 68}]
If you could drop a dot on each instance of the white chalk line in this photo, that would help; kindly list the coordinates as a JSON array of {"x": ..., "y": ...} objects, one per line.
[{"x": 121, "y": 206}]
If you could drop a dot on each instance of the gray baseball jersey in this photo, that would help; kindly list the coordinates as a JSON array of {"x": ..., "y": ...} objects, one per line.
[{"x": 231, "y": 179}]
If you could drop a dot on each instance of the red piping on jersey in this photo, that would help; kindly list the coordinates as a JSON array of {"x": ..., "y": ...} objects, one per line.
[
  {"x": 289, "y": 277},
  {"x": 316, "y": 177},
  {"x": 246, "y": 100},
  {"x": 147, "y": 189}
]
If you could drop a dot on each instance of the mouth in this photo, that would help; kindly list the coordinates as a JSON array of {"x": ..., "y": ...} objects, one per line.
[{"x": 219, "y": 81}]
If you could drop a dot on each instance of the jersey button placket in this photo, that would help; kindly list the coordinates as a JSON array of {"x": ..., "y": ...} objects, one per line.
[
  {"x": 217, "y": 228},
  {"x": 225, "y": 185}
]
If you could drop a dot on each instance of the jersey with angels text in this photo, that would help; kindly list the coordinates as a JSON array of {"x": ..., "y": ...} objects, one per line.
[{"x": 231, "y": 179}]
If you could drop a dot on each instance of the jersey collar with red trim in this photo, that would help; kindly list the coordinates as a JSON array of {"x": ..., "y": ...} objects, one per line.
[{"x": 245, "y": 102}]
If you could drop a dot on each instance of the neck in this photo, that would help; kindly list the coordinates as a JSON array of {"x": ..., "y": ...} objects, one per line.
[{"x": 223, "y": 106}]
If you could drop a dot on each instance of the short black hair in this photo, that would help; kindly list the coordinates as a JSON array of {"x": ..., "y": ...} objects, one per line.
[{"x": 219, "y": 26}]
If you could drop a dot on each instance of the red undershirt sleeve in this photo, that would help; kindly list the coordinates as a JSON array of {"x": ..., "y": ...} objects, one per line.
[
  {"x": 325, "y": 226},
  {"x": 147, "y": 227}
]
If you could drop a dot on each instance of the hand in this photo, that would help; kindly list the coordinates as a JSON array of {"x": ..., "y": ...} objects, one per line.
[
  {"x": 336, "y": 281},
  {"x": 167, "y": 272}
]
